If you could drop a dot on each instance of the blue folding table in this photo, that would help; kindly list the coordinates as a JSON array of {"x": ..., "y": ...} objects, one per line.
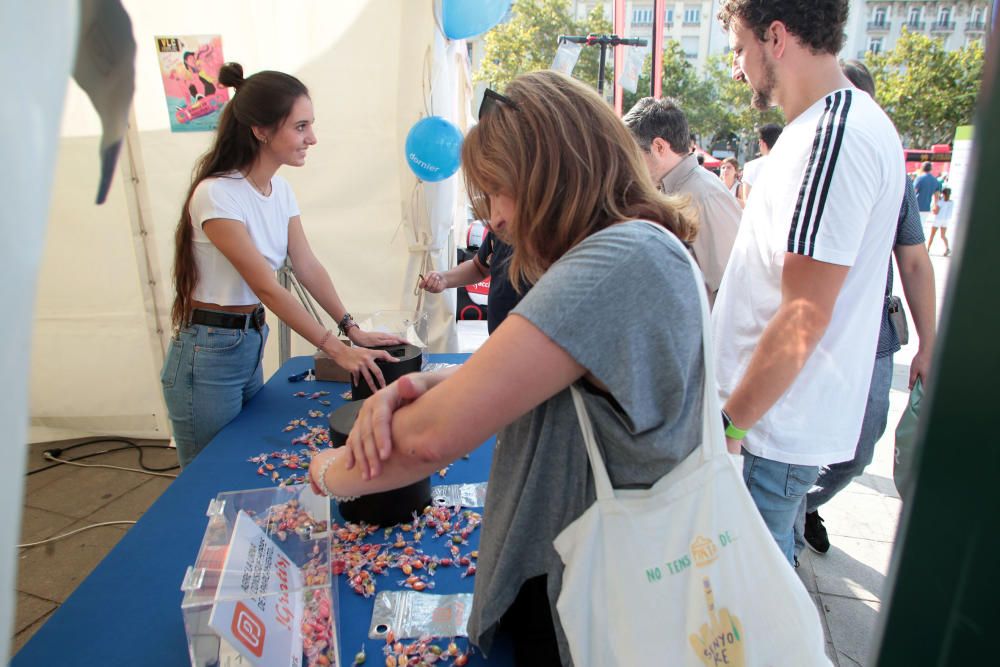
[{"x": 128, "y": 611}]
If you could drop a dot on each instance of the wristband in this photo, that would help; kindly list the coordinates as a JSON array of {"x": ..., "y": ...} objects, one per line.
[
  {"x": 733, "y": 432},
  {"x": 346, "y": 322}
]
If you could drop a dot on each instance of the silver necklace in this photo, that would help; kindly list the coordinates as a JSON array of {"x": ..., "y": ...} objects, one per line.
[{"x": 257, "y": 187}]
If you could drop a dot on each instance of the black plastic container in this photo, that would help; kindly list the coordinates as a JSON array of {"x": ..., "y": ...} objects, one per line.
[
  {"x": 386, "y": 508},
  {"x": 410, "y": 359}
]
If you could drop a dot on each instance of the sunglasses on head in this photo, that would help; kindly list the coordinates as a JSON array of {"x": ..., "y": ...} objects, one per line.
[{"x": 491, "y": 99}]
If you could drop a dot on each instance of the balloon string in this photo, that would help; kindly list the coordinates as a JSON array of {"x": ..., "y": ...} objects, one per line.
[{"x": 428, "y": 106}]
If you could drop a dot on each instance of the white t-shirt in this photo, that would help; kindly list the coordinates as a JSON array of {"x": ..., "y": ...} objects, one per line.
[
  {"x": 752, "y": 170},
  {"x": 266, "y": 218},
  {"x": 945, "y": 209},
  {"x": 832, "y": 193}
]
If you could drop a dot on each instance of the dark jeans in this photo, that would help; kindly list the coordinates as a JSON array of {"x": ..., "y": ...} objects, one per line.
[{"x": 529, "y": 624}]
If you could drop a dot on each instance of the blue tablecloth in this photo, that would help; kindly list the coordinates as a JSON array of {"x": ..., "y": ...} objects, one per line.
[{"x": 128, "y": 611}]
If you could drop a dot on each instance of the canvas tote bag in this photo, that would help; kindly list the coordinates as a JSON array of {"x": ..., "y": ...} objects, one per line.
[{"x": 683, "y": 573}]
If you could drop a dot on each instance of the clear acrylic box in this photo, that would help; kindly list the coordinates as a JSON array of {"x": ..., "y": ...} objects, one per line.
[
  {"x": 260, "y": 591},
  {"x": 411, "y": 326}
]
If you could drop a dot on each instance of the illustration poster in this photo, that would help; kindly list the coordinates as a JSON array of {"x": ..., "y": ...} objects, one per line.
[{"x": 190, "y": 67}]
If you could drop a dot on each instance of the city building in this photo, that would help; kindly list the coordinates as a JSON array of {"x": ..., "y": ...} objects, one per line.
[
  {"x": 692, "y": 24},
  {"x": 875, "y": 25}
]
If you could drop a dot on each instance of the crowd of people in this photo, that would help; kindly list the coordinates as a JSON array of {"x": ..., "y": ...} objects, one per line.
[{"x": 590, "y": 293}]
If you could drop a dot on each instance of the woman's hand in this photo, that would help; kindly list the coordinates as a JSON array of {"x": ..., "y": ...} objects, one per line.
[
  {"x": 360, "y": 362},
  {"x": 434, "y": 283},
  {"x": 373, "y": 338},
  {"x": 370, "y": 441}
]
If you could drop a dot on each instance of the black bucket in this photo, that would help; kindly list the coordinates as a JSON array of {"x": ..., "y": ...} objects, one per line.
[
  {"x": 389, "y": 507},
  {"x": 410, "y": 360}
]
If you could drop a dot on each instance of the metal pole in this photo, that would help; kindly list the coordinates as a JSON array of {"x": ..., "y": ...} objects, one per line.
[
  {"x": 658, "y": 20},
  {"x": 600, "y": 70},
  {"x": 284, "y": 332}
]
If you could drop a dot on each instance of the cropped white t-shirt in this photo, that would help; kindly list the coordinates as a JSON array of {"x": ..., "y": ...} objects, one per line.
[
  {"x": 831, "y": 191},
  {"x": 232, "y": 197}
]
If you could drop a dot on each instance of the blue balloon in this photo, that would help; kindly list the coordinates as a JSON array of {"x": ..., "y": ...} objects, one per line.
[
  {"x": 433, "y": 149},
  {"x": 467, "y": 18}
]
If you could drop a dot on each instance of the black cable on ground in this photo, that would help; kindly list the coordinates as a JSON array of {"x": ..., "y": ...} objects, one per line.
[{"x": 59, "y": 451}]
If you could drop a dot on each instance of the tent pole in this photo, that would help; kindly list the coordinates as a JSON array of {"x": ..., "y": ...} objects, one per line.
[{"x": 133, "y": 173}]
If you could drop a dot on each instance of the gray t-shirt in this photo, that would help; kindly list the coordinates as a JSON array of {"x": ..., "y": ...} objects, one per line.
[{"x": 623, "y": 304}]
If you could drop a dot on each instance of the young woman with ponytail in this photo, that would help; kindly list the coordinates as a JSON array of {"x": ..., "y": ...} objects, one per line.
[{"x": 239, "y": 222}]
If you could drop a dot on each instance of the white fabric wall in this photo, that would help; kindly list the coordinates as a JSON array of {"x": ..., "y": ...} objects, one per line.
[{"x": 96, "y": 356}]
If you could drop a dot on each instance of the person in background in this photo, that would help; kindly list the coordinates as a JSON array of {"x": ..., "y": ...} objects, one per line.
[
  {"x": 917, "y": 277},
  {"x": 566, "y": 182},
  {"x": 796, "y": 319},
  {"x": 941, "y": 220},
  {"x": 928, "y": 189},
  {"x": 493, "y": 260},
  {"x": 660, "y": 128},
  {"x": 767, "y": 136},
  {"x": 239, "y": 222},
  {"x": 729, "y": 172}
]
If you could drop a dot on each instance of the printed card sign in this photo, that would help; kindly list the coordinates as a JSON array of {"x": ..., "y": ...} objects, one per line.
[
  {"x": 189, "y": 66},
  {"x": 566, "y": 57},
  {"x": 259, "y": 603},
  {"x": 634, "y": 60}
]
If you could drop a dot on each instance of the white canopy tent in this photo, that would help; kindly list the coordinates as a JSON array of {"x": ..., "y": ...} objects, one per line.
[
  {"x": 99, "y": 276},
  {"x": 373, "y": 67}
]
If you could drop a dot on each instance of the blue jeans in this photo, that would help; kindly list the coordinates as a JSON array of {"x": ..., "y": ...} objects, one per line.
[
  {"x": 834, "y": 477},
  {"x": 778, "y": 489},
  {"x": 207, "y": 377}
]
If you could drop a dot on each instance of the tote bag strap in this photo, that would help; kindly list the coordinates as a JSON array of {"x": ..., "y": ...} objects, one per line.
[{"x": 713, "y": 442}]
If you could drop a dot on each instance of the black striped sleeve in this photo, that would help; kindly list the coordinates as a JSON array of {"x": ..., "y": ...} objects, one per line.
[{"x": 818, "y": 175}]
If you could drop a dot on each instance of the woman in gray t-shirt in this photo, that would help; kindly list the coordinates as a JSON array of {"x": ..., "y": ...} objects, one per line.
[{"x": 614, "y": 309}]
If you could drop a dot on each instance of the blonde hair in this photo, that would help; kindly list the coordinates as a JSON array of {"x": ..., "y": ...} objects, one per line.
[{"x": 570, "y": 165}]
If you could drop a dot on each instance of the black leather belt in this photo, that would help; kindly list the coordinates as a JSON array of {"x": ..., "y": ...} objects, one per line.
[{"x": 221, "y": 320}]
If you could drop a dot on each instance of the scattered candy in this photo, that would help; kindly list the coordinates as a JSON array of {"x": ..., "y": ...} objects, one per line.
[
  {"x": 283, "y": 521},
  {"x": 425, "y": 652},
  {"x": 362, "y": 562}
]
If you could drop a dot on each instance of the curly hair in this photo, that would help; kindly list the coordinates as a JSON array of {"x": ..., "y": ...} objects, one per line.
[{"x": 818, "y": 24}]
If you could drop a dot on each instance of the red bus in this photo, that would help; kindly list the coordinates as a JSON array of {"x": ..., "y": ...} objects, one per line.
[{"x": 939, "y": 156}]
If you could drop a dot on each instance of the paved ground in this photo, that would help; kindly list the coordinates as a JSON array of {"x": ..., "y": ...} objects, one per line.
[
  {"x": 847, "y": 583},
  {"x": 64, "y": 499}
]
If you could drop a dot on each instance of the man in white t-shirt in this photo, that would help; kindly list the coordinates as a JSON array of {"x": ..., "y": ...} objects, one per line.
[
  {"x": 767, "y": 136},
  {"x": 797, "y": 317}
]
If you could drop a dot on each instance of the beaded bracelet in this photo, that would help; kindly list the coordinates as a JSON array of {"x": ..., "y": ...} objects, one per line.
[{"x": 321, "y": 483}]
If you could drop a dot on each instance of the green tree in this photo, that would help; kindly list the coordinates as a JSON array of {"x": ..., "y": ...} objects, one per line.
[
  {"x": 926, "y": 90},
  {"x": 731, "y": 108},
  {"x": 694, "y": 93},
  {"x": 527, "y": 42},
  {"x": 716, "y": 106}
]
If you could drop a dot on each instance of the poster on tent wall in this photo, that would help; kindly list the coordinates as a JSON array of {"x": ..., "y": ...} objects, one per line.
[{"x": 190, "y": 68}]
